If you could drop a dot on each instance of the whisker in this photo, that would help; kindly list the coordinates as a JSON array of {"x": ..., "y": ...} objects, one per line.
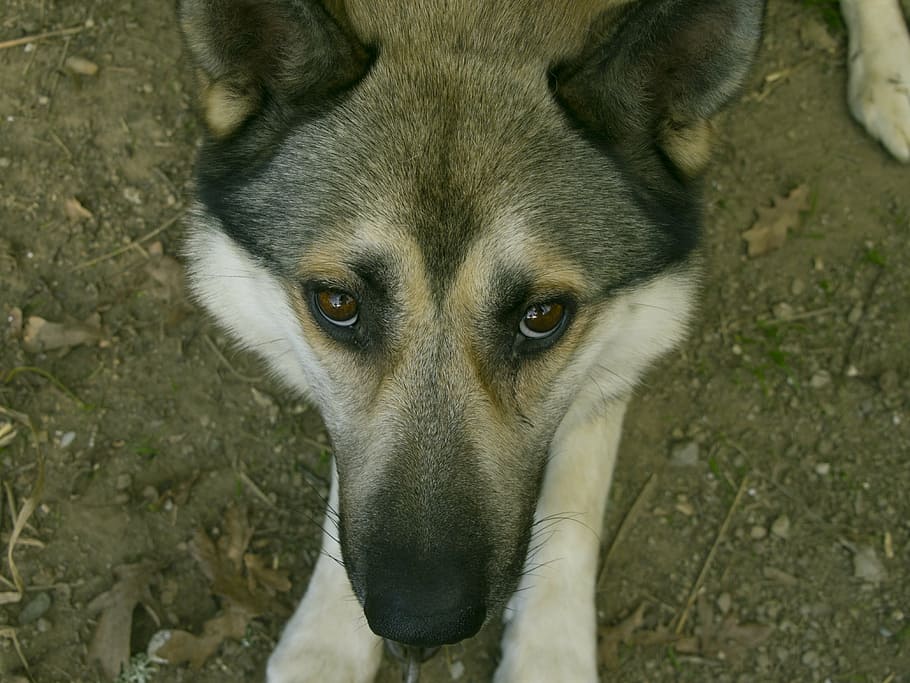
[
  {"x": 629, "y": 384},
  {"x": 337, "y": 561}
]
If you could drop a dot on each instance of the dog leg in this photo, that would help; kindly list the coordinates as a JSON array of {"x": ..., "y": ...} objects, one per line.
[
  {"x": 552, "y": 634},
  {"x": 327, "y": 640},
  {"x": 879, "y": 80}
]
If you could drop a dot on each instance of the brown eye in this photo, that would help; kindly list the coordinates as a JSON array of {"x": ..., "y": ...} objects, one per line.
[
  {"x": 542, "y": 320},
  {"x": 339, "y": 308}
]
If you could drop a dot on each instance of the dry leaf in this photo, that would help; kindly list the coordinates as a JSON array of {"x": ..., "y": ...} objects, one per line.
[
  {"x": 729, "y": 638},
  {"x": 769, "y": 232},
  {"x": 268, "y": 578},
  {"x": 110, "y": 645},
  {"x": 234, "y": 542},
  {"x": 223, "y": 563},
  {"x": 612, "y": 636},
  {"x": 226, "y": 582},
  {"x": 75, "y": 211},
  {"x": 42, "y": 335},
  {"x": 177, "y": 647}
]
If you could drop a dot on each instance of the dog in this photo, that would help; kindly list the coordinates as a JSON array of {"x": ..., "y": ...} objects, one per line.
[
  {"x": 463, "y": 230},
  {"x": 878, "y": 86}
]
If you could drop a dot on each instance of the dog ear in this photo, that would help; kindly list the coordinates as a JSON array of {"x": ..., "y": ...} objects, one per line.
[
  {"x": 659, "y": 71},
  {"x": 253, "y": 53}
]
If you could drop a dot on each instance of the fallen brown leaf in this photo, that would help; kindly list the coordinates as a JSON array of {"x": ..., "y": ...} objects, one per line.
[
  {"x": 270, "y": 579},
  {"x": 110, "y": 645},
  {"x": 237, "y": 534},
  {"x": 611, "y": 637},
  {"x": 41, "y": 335},
  {"x": 177, "y": 647},
  {"x": 243, "y": 599},
  {"x": 729, "y": 637},
  {"x": 769, "y": 232}
]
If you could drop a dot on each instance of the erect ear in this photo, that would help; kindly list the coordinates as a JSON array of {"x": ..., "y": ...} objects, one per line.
[
  {"x": 250, "y": 53},
  {"x": 659, "y": 71}
]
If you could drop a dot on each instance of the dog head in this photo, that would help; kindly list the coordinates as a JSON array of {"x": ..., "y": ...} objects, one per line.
[{"x": 452, "y": 230}]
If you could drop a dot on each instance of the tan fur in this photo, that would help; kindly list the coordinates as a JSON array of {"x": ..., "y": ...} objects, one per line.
[
  {"x": 531, "y": 31},
  {"x": 689, "y": 147},
  {"x": 225, "y": 107}
]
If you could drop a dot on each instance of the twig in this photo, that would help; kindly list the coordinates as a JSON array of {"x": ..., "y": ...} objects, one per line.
[
  {"x": 126, "y": 247},
  {"x": 803, "y": 316},
  {"x": 41, "y": 36},
  {"x": 625, "y": 524},
  {"x": 69, "y": 155},
  {"x": 696, "y": 587},
  {"x": 255, "y": 489},
  {"x": 221, "y": 357},
  {"x": 10, "y": 633},
  {"x": 69, "y": 393}
]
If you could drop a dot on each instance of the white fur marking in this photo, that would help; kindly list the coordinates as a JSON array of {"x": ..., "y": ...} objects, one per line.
[
  {"x": 252, "y": 305},
  {"x": 879, "y": 79},
  {"x": 552, "y": 629},
  {"x": 327, "y": 640}
]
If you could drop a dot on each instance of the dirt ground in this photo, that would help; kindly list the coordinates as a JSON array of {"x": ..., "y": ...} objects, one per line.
[{"x": 760, "y": 515}]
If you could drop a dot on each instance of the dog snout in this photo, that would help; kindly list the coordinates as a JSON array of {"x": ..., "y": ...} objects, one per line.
[{"x": 425, "y": 599}]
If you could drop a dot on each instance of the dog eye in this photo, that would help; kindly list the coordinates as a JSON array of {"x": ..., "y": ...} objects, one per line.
[
  {"x": 542, "y": 320},
  {"x": 339, "y": 308}
]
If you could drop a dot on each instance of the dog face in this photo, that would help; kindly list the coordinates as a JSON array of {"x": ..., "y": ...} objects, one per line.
[{"x": 452, "y": 244}]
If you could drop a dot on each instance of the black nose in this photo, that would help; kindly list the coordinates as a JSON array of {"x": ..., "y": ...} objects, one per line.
[{"x": 425, "y": 601}]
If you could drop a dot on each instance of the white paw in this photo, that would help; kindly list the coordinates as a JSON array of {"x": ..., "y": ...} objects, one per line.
[
  {"x": 327, "y": 653},
  {"x": 548, "y": 640},
  {"x": 879, "y": 92},
  {"x": 327, "y": 640}
]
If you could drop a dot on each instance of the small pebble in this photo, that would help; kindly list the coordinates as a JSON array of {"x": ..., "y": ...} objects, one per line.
[
  {"x": 35, "y": 609},
  {"x": 889, "y": 382},
  {"x": 782, "y": 311},
  {"x": 758, "y": 532},
  {"x": 150, "y": 493},
  {"x": 124, "y": 481},
  {"x": 867, "y": 566},
  {"x": 685, "y": 454},
  {"x": 456, "y": 670},
  {"x": 43, "y": 625},
  {"x": 131, "y": 194},
  {"x": 811, "y": 659},
  {"x": 5, "y": 162},
  {"x": 823, "y": 469},
  {"x": 724, "y": 602},
  {"x": 81, "y": 66},
  {"x": 820, "y": 379},
  {"x": 855, "y": 314},
  {"x": 685, "y": 508},
  {"x": 67, "y": 439},
  {"x": 797, "y": 287},
  {"x": 781, "y": 527}
]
